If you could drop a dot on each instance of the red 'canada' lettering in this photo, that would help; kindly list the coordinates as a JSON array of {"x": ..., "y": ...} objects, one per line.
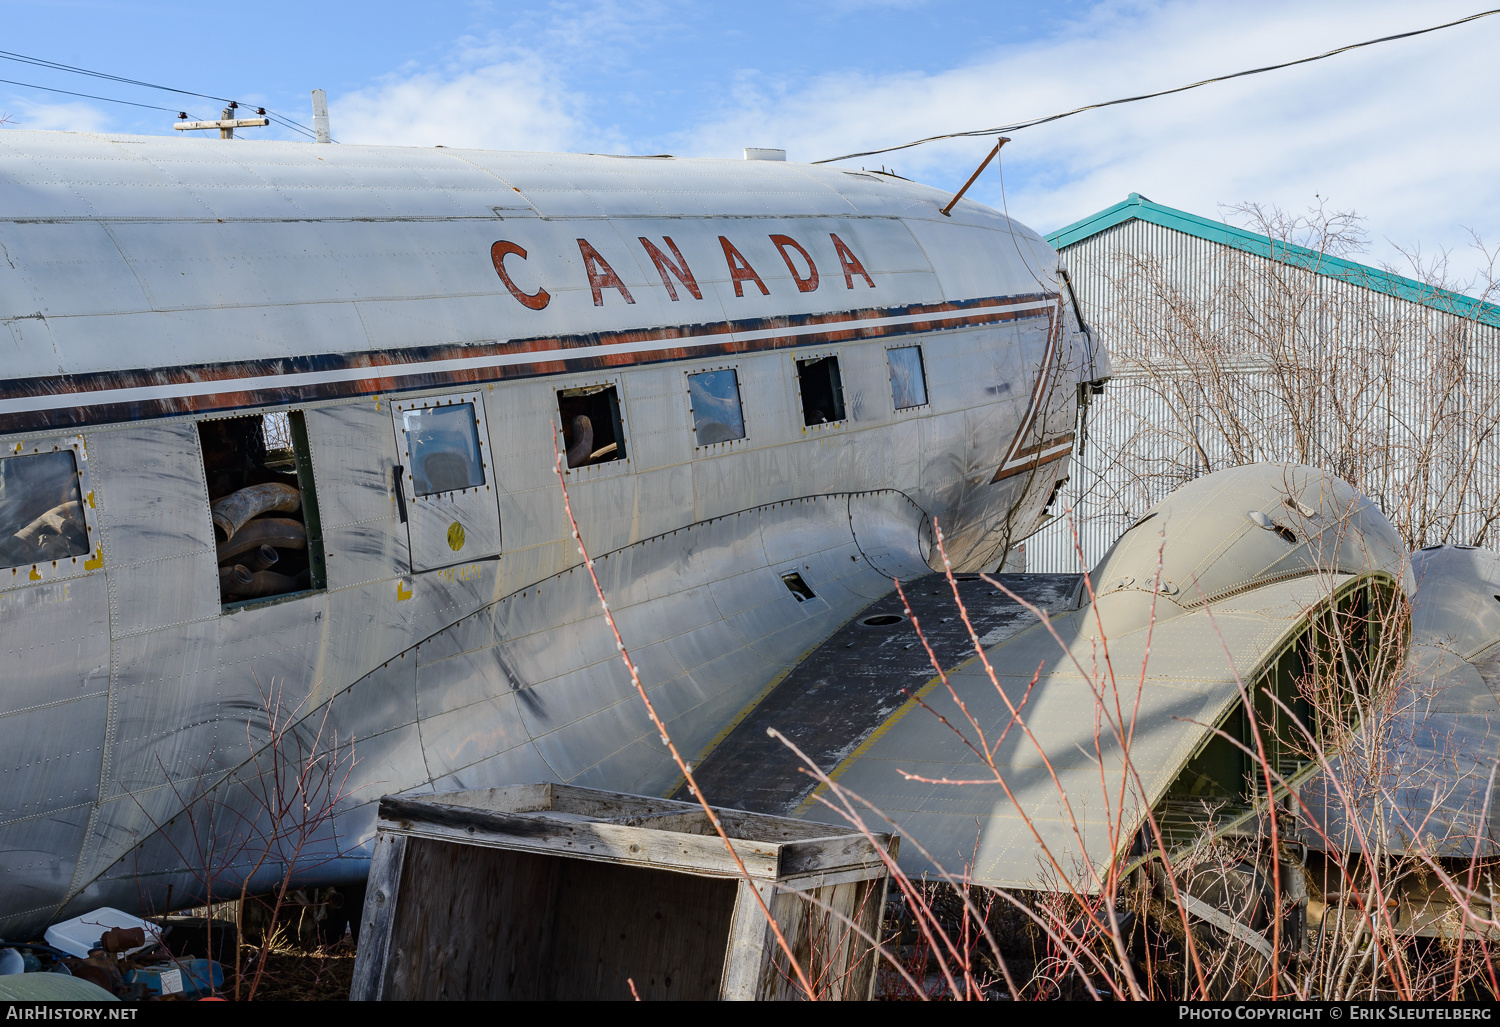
[
  {"x": 498, "y": 252},
  {"x": 740, "y": 269},
  {"x": 601, "y": 275},
  {"x": 807, "y": 284},
  {"x": 850, "y": 263},
  {"x": 680, "y": 269}
]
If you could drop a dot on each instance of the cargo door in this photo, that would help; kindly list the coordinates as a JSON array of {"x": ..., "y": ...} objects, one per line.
[{"x": 447, "y": 488}]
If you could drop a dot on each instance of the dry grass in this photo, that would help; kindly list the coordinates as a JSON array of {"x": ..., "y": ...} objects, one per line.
[{"x": 294, "y": 976}]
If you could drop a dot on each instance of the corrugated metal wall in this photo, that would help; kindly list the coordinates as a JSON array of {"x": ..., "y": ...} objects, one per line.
[{"x": 1364, "y": 362}]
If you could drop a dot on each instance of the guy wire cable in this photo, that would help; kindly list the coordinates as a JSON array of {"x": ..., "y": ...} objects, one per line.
[{"x": 1002, "y": 129}]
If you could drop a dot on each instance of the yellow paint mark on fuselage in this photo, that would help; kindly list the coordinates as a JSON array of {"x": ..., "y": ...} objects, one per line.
[{"x": 467, "y": 572}]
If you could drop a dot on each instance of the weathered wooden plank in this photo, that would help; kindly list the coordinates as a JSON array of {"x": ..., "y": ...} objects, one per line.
[
  {"x": 665, "y": 931},
  {"x": 845, "y": 959},
  {"x": 691, "y": 821},
  {"x": 825, "y": 879},
  {"x": 379, "y": 917},
  {"x": 827, "y": 853},
  {"x": 763, "y": 827},
  {"x": 778, "y": 981},
  {"x": 614, "y": 806},
  {"x": 750, "y": 942},
  {"x": 595, "y": 803},
  {"x": 581, "y": 839},
  {"x": 874, "y": 916},
  {"x": 837, "y": 959},
  {"x": 507, "y": 798},
  {"x": 472, "y": 923}
]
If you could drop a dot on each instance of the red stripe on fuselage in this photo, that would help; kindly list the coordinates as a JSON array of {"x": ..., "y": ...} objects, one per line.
[{"x": 68, "y": 401}]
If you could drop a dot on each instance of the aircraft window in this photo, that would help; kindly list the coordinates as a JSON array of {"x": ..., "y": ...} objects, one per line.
[
  {"x": 717, "y": 416},
  {"x": 822, "y": 390},
  {"x": 592, "y": 429},
  {"x": 908, "y": 382},
  {"x": 443, "y": 442},
  {"x": 263, "y": 504},
  {"x": 41, "y": 509}
]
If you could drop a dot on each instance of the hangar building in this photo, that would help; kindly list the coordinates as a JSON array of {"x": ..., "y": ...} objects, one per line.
[{"x": 1232, "y": 345}]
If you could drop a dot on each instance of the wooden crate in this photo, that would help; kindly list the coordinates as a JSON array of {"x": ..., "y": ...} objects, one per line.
[{"x": 554, "y": 892}]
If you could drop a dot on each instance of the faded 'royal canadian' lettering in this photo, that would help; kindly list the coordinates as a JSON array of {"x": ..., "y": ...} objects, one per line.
[
  {"x": 679, "y": 269},
  {"x": 601, "y": 275},
  {"x": 498, "y": 252},
  {"x": 740, "y": 270},
  {"x": 849, "y": 263},
  {"x": 807, "y": 284}
]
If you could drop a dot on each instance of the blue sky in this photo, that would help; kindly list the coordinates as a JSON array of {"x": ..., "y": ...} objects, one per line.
[{"x": 1402, "y": 133}]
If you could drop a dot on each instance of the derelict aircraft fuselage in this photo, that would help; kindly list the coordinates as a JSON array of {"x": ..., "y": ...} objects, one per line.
[{"x": 279, "y": 420}]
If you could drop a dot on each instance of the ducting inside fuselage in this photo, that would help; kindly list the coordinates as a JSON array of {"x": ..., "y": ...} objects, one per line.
[
  {"x": 592, "y": 429},
  {"x": 255, "y": 469}
]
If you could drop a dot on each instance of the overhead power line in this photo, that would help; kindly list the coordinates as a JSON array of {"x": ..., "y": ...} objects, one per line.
[
  {"x": 41, "y": 63},
  {"x": 88, "y": 96},
  {"x": 73, "y": 70},
  {"x": 1000, "y": 129}
]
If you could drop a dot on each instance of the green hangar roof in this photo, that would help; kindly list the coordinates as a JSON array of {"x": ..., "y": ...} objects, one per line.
[{"x": 1137, "y": 207}]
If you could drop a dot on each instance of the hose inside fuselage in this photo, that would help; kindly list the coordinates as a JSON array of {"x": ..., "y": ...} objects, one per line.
[
  {"x": 583, "y": 441},
  {"x": 232, "y": 512}
]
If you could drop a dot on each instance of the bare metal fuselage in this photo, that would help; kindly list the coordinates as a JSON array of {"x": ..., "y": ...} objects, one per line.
[{"x": 156, "y": 285}]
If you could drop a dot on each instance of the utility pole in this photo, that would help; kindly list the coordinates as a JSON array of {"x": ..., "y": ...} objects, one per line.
[
  {"x": 226, "y": 124},
  {"x": 320, "y": 116}
]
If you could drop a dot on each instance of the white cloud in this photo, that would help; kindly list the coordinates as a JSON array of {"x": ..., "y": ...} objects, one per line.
[
  {"x": 521, "y": 103},
  {"x": 66, "y": 117},
  {"x": 493, "y": 93},
  {"x": 1397, "y": 132}
]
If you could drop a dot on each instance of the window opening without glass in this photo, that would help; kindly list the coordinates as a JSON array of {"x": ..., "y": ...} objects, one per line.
[
  {"x": 908, "y": 381},
  {"x": 715, "y": 397},
  {"x": 822, "y": 390},
  {"x": 264, "y": 507},
  {"x": 592, "y": 429},
  {"x": 797, "y": 587},
  {"x": 41, "y": 510},
  {"x": 442, "y": 443}
]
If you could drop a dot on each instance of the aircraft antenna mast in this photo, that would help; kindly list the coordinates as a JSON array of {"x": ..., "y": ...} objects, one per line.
[
  {"x": 226, "y": 124},
  {"x": 320, "y": 116}
]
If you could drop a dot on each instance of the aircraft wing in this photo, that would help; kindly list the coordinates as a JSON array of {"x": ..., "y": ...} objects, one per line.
[
  {"x": 1016, "y": 767},
  {"x": 1422, "y": 768},
  {"x": 1051, "y": 802}
]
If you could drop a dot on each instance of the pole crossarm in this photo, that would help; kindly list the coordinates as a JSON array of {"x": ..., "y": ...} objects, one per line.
[{"x": 189, "y": 126}]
